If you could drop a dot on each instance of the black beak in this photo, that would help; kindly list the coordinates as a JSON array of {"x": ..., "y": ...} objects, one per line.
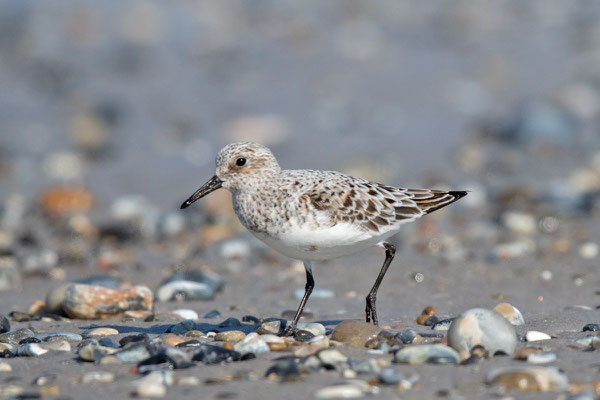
[{"x": 213, "y": 184}]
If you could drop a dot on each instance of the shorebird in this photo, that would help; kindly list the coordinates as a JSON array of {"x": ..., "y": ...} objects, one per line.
[{"x": 316, "y": 215}]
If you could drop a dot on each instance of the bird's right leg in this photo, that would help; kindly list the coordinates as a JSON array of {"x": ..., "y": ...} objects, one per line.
[{"x": 310, "y": 284}]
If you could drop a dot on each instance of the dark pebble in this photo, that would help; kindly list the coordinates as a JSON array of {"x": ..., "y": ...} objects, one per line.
[
  {"x": 133, "y": 338},
  {"x": 30, "y": 340},
  {"x": 4, "y": 324},
  {"x": 385, "y": 334},
  {"x": 107, "y": 342},
  {"x": 211, "y": 354},
  {"x": 303, "y": 336},
  {"x": 432, "y": 334},
  {"x": 190, "y": 343},
  {"x": 431, "y": 321},
  {"x": 285, "y": 369},
  {"x": 166, "y": 358},
  {"x": 212, "y": 314},
  {"x": 442, "y": 325},
  {"x": 591, "y": 327},
  {"x": 406, "y": 336},
  {"x": 23, "y": 317},
  {"x": 251, "y": 319},
  {"x": 230, "y": 323}
]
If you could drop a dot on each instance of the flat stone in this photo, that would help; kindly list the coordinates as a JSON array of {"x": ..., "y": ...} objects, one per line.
[
  {"x": 5, "y": 367},
  {"x": 510, "y": 312},
  {"x": 15, "y": 336},
  {"x": 479, "y": 326},
  {"x": 534, "y": 336},
  {"x": 427, "y": 353},
  {"x": 171, "y": 339},
  {"x": 4, "y": 324},
  {"x": 100, "y": 332},
  {"x": 230, "y": 336},
  {"x": 354, "y": 333},
  {"x": 186, "y": 313},
  {"x": 340, "y": 391},
  {"x": 529, "y": 378},
  {"x": 331, "y": 357},
  {"x": 270, "y": 327},
  {"x": 93, "y": 302}
]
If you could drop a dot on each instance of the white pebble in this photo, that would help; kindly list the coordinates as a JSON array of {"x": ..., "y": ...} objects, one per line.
[
  {"x": 588, "y": 250},
  {"x": 186, "y": 313},
  {"x": 5, "y": 367},
  {"x": 533, "y": 336}
]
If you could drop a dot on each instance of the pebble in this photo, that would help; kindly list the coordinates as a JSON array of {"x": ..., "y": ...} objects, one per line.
[
  {"x": 350, "y": 390},
  {"x": 183, "y": 327},
  {"x": 4, "y": 324},
  {"x": 479, "y": 326},
  {"x": 317, "y": 293},
  {"x": 211, "y": 354},
  {"x": 427, "y": 353},
  {"x": 251, "y": 319},
  {"x": 100, "y": 332},
  {"x": 284, "y": 369},
  {"x": 230, "y": 323},
  {"x": 252, "y": 343},
  {"x": 66, "y": 200},
  {"x": 406, "y": 336},
  {"x": 313, "y": 327},
  {"x": 529, "y": 378},
  {"x": 213, "y": 314},
  {"x": 541, "y": 358},
  {"x": 171, "y": 339},
  {"x": 93, "y": 351},
  {"x": 591, "y": 327},
  {"x": 190, "y": 285},
  {"x": 15, "y": 336},
  {"x": 389, "y": 376},
  {"x": 93, "y": 302},
  {"x": 5, "y": 367},
  {"x": 166, "y": 357},
  {"x": 154, "y": 384},
  {"x": 354, "y": 333},
  {"x": 441, "y": 325},
  {"x": 511, "y": 313},
  {"x": 533, "y": 336},
  {"x": 31, "y": 350},
  {"x": 186, "y": 313},
  {"x": 140, "y": 337},
  {"x": 98, "y": 377},
  {"x": 134, "y": 353},
  {"x": 271, "y": 327},
  {"x": 330, "y": 358},
  {"x": 315, "y": 344},
  {"x": 230, "y": 336}
]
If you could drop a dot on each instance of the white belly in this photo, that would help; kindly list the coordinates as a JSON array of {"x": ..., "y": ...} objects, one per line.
[{"x": 322, "y": 243}]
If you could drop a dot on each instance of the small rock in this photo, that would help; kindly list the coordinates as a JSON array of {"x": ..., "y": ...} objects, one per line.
[
  {"x": 389, "y": 376},
  {"x": 533, "y": 336},
  {"x": 479, "y": 326},
  {"x": 441, "y": 325},
  {"x": 92, "y": 302},
  {"x": 154, "y": 384},
  {"x": 303, "y": 336},
  {"x": 183, "y": 327},
  {"x": 171, "y": 339},
  {"x": 165, "y": 358},
  {"x": 355, "y": 333},
  {"x": 31, "y": 350},
  {"x": 406, "y": 336},
  {"x": 134, "y": 353},
  {"x": 210, "y": 354},
  {"x": 140, "y": 337},
  {"x": 100, "y": 332},
  {"x": 93, "y": 351},
  {"x": 313, "y": 327},
  {"x": 186, "y": 313},
  {"x": 284, "y": 369},
  {"x": 331, "y": 357},
  {"x": 541, "y": 358},
  {"x": 591, "y": 327},
  {"x": 427, "y": 353},
  {"x": 317, "y": 293},
  {"x": 5, "y": 367},
  {"x": 251, "y": 319},
  {"x": 4, "y": 324},
  {"x": 340, "y": 391},
  {"x": 271, "y": 327},
  {"x": 98, "y": 377},
  {"x": 15, "y": 336},
  {"x": 529, "y": 379},
  {"x": 66, "y": 200},
  {"x": 511, "y": 313},
  {"x": 230, "y": 323},
  {"x": 230, "y": 336},
  {"x": 213, "y": 314},
  {"x": 252, "y": 343}
]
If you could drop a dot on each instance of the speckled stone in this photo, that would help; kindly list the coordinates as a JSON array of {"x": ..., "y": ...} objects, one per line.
[
  {"x": 529, "y": 378},
  {"x": 93, "y": 302},
  {"x": 230, "y": 336},
  {"x": 354, "y": 333},
  {"x": 96, "y": 332}
]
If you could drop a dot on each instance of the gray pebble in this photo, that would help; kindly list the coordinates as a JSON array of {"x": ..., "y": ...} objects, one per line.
[
  {"x": 4, "y": 324},
  {"x": 45, "y": 337},
  {"x": 427, "y": 353},
  {"x": 212, "y": 314},
  {"x": 389, "y": 376},
  {"x": 182, "y": 327},
  {"x": 16, "y": 335},
  {"x": 406, "y": 336}
]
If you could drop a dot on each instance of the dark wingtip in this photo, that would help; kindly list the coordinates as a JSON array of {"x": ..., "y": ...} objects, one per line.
[
  {"x": 458, "y": 194},
  {"x": 185, "y": 204}
]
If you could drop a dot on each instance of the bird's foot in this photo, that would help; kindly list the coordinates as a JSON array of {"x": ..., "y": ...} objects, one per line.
[{"x": 290, "y": 331}]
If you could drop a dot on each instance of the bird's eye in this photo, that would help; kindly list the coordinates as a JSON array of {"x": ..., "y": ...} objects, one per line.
[{"x": 240, "y": 162}]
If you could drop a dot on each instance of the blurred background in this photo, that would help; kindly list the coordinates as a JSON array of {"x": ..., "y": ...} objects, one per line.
[{"x": 111, "y": 114}]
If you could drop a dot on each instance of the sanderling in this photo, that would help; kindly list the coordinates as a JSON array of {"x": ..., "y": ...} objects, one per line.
[{"x": 316, "y": 215}]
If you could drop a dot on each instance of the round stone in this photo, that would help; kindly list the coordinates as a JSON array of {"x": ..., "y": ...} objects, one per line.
[
  {"x": 230, "y": 336},
  {"x": 101, "y": 332},
  {"x": 355, "y": 333}
]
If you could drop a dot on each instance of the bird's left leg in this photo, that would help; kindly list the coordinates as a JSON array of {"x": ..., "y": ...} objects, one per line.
[
  {"x": 371, "y": 310},
  {"x": 310, "y": 284}
]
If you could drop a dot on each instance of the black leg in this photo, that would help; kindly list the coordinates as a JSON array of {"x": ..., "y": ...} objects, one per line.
[
  {"x": 310, "y": 284},
  {"x": 371, "y": 310}
]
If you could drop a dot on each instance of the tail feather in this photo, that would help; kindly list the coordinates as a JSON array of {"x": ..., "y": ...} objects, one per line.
[{"x": 440, "y": 200}]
